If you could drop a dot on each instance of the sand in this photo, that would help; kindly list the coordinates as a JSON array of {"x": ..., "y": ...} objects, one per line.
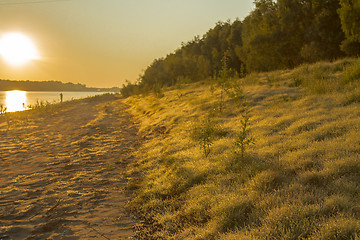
[{"x": 61, "y": 173}]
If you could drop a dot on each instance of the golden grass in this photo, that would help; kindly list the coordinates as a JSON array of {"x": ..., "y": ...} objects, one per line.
[{"x": 299, "y": 180}]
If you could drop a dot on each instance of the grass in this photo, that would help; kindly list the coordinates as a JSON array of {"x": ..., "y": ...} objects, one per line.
[{"x": 300, "y": 180}]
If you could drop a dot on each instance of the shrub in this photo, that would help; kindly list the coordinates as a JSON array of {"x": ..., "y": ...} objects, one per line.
[
  {"x": 157, "y": 89},
  {"x": 350, "y": 47},
  {"x": 235, "y": 92},
  {"x": 129, "y": 89},
  {"x": 204, "y": 133},
  {"x": 242, "y": 139},
  {"x": 225, "y": 75}
]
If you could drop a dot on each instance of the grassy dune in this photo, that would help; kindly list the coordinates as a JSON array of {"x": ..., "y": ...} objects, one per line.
[{"x": 299, "y": 180}]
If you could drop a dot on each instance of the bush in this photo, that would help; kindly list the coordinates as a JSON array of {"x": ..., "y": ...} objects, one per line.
[
  {"x": 242, "y": 139},
  {"x": 350, "y": 47},
  {"x": 204, "y": 133},
  {"x": 129, "y": 89}
]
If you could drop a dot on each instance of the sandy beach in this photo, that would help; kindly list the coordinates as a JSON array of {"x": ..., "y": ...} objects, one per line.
[{"x": 61, "y": 173}]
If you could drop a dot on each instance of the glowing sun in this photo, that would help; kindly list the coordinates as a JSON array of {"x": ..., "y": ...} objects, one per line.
[{"x": 17, "y": 49}]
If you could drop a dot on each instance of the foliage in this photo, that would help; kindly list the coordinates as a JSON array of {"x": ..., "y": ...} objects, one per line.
[
  {"x": 261, "y": 38},
  {"x": 275, "y": 35},
  {"x": 204, "y": 133},
  {"x": 224, "y": 79},
  {"x": 350, "y": 47},
  {"x": 197, "y": 59},
  {"x": 235, "y": 92},
  {"x": 129, "y": 89},
  {"x": 350, "y": 21},
  {"x": 157, "y": 89},
  {"x": 323, "y": 34},
  {"x": 242, "y": 140}
]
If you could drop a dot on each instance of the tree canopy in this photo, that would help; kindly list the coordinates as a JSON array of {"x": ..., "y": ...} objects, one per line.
[{"x": 275, "y": 35}]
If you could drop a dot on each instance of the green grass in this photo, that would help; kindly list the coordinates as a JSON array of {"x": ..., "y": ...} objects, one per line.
[{"x": 300, "y": 180}]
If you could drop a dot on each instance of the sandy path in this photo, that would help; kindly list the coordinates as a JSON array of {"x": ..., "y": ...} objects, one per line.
[{"x": 60, "y": 178}]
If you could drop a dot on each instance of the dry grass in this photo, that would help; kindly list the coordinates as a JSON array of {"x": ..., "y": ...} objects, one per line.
[{"x": 300, "y": 180}]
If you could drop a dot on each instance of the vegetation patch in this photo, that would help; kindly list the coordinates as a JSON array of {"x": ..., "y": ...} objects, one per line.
[{"x": 297, "y": 180}]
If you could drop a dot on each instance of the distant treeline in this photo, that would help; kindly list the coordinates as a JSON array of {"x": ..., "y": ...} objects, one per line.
[
  {"x": 275, "y": 35},
  {"x": 7, "y": 85}
]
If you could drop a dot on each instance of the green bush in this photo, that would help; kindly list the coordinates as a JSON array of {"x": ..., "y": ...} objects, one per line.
[{"x": 204, "y": 133}]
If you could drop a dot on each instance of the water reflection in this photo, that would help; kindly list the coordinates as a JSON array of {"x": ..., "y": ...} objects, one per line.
[{"x": 15, "y": 100}]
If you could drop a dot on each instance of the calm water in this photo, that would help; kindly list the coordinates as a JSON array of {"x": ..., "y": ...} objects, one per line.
[{"x": 16, "y": 100}]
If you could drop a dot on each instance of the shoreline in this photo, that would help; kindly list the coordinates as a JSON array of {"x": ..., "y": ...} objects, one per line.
[
  {"x": 62, "y": 171},
  {"x": 27, "y": 100}
]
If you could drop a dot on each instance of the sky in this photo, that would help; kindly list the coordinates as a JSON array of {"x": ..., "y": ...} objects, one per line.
[{"x": 102, "y": 43}]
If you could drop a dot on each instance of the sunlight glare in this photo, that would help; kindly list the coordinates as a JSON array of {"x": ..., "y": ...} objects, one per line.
[
  {"x": 17, "y": 49},
  {"x": 15, "y": 100}
]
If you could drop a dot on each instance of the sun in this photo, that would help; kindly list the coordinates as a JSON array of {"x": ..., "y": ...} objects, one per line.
[{"x": 17, "y": 49}]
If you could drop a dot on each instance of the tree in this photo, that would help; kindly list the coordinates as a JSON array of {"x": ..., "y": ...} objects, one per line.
[
  {"x": 235, "y": 42},
  {"x": 323, "y": 35},
  {"x": 350, "y": 22},
  {"x": 261, "y": 38},
  {"x": 294, "y": 18}
]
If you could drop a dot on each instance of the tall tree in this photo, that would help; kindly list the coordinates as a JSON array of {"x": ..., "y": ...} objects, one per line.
[
  {"x": 350, "y": 22},
  {"x": 323, "y": 35},
  {"x": 235, "y": 42},
  {"x": 294, "y": 17},
  {"x": 261, "y": 38}
]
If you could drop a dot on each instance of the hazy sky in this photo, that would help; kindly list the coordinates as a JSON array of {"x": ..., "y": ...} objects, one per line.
[{"x": 101, "y": 43}]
